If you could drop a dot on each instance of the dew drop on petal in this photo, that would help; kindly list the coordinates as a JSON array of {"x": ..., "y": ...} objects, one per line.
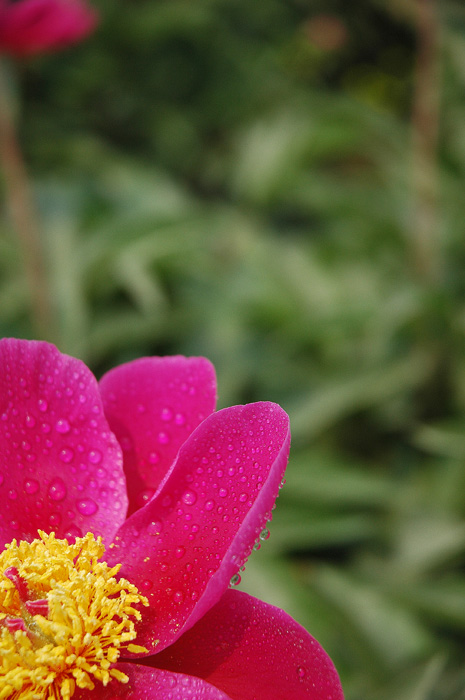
[
  {"x": 209, "y": 505},
  {"x": 189, "y": 498},
  {"x": 54, "y": 519},
  {"x": 43, "y": 405},
  {"x": 235, "y": 580},
  {"x": 144, "y": 497},
  {"x": 30, "y": 421},
  {"x": 301, "y": 672},
  {"x": 12, "y": 495},
  {"x": 66, "y": 455},
  {"x": 179, "y": 552},
  {"x": 163, "y": 438},
  {"x": 180, "y": 419},
  {"x": 155, "y": 527},
  {"x": 166, "y": 414},
  {"x": 87, "y": 506},
  {"x": 95, "y": 456},
  {"x": 31, "y": 486},
  {"x": 72, "y": 532},
  {"x": 154, "y": 458},
  {"x": 57, "y": 490},
  {"x": 62, "y": 426}
]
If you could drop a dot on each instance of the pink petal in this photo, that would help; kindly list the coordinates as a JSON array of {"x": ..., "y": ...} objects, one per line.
[
  {"x": 60, "y": 466},
  {"x": 33, "y": 26},
  {"x": 153, "y": 405},
  {"x": 183, "y": 547},
  {"x": 253, "y": 651},
  {"x": 153, "y": 684}
]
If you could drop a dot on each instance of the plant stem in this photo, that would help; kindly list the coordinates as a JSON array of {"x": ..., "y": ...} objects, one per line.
[
  {"x": 425, "y": 133},
  {"x": 23, "y": 216}
]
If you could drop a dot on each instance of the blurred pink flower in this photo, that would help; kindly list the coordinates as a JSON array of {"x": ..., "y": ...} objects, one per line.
[
  {"x": 29, "y": 27},
  {"x": 200, "y": 486}
]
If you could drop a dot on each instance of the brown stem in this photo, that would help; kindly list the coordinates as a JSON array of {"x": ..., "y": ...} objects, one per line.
[
  {"x": 425, "y": 127},
  {"x": 23, "y": 216}
]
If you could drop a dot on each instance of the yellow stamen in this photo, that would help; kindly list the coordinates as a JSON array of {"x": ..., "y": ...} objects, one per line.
[{"x": 90, "y": 618}]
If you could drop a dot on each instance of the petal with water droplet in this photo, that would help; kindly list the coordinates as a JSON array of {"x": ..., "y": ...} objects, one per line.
[
  {"x": 153, "y": 404},
  {"x": 50, "y": 470},
  {"x": 153, "y": 684},
  {"x": 216, "y": 528},
  {"x": 254, "y": 651}
]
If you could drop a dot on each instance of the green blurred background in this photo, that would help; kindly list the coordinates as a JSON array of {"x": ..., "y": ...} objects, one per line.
[{"x": 279, "y": 185}]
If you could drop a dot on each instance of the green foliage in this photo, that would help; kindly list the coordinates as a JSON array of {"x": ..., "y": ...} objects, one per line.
[{"x": 213, "y": 178}]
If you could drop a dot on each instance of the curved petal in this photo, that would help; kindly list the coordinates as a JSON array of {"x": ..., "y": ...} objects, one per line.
[
  {"x": 182, "y": 548},
  {"x": 152, "y": 684},
  {"x": 253, "y": 651},
  {"x": 60, "y": 466},
  {"x": 34, "y": 26},
  {"x": 153, "y": 405}
]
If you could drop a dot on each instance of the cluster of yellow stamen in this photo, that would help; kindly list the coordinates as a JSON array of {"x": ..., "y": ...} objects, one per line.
[{"x": 87, "y": 617}]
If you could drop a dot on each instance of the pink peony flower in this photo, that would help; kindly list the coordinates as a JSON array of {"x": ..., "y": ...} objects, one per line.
[
  {"x": 29, "y": 27},
  {"x": 199, "y": 485}
]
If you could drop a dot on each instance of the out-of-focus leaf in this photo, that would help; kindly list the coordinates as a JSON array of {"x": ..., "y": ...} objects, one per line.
[{"x": 388, "y": 628}]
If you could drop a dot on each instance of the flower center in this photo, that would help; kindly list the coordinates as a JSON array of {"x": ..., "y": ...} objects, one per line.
[{"x": 64, "y": 618}]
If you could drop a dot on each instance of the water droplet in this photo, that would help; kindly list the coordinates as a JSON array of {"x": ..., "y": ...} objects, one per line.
[
  {"x": 95, "y": 456},
  {"x": 12, "y": 495},
  {"x": 222, "y": 493},
  {"x": 30, "y": 421},
  {"x": 155, "y": 527},
  {"x": 179, "y": 552},
  {"x": 66, "y": 455},
  {"x": 31, "y": 486},
  {"x": 178, "y": 596},
  {"x": 146, "y": 585},
  {"x": 243, "y": 497},
  {"x": 180, "y": 419},
  {"x": 235, "y": 580},
  {"x": 189, "y": 498},
  {"x": 72, "y": 532},
  {"x": 154, "y": 458},
  {"x": 265, "y": 534},
  {"x": 166, "y": 414},
  {"x": 163, "y": 438},
  {"x": 301, "y": 672},
  {"x": 87, "y": 506},
  {"x": 209, "y": 505},
  {"x": 57, "y": 490},
  {"x": 62, "y": 426},
  {"x": 144, "y": 497},
  {"x": 43, "y": 405},
  {"x": 54, "y": 519}
]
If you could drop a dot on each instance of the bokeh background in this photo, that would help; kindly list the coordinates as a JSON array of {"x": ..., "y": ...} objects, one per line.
[{"x": 279, "y": 185}]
